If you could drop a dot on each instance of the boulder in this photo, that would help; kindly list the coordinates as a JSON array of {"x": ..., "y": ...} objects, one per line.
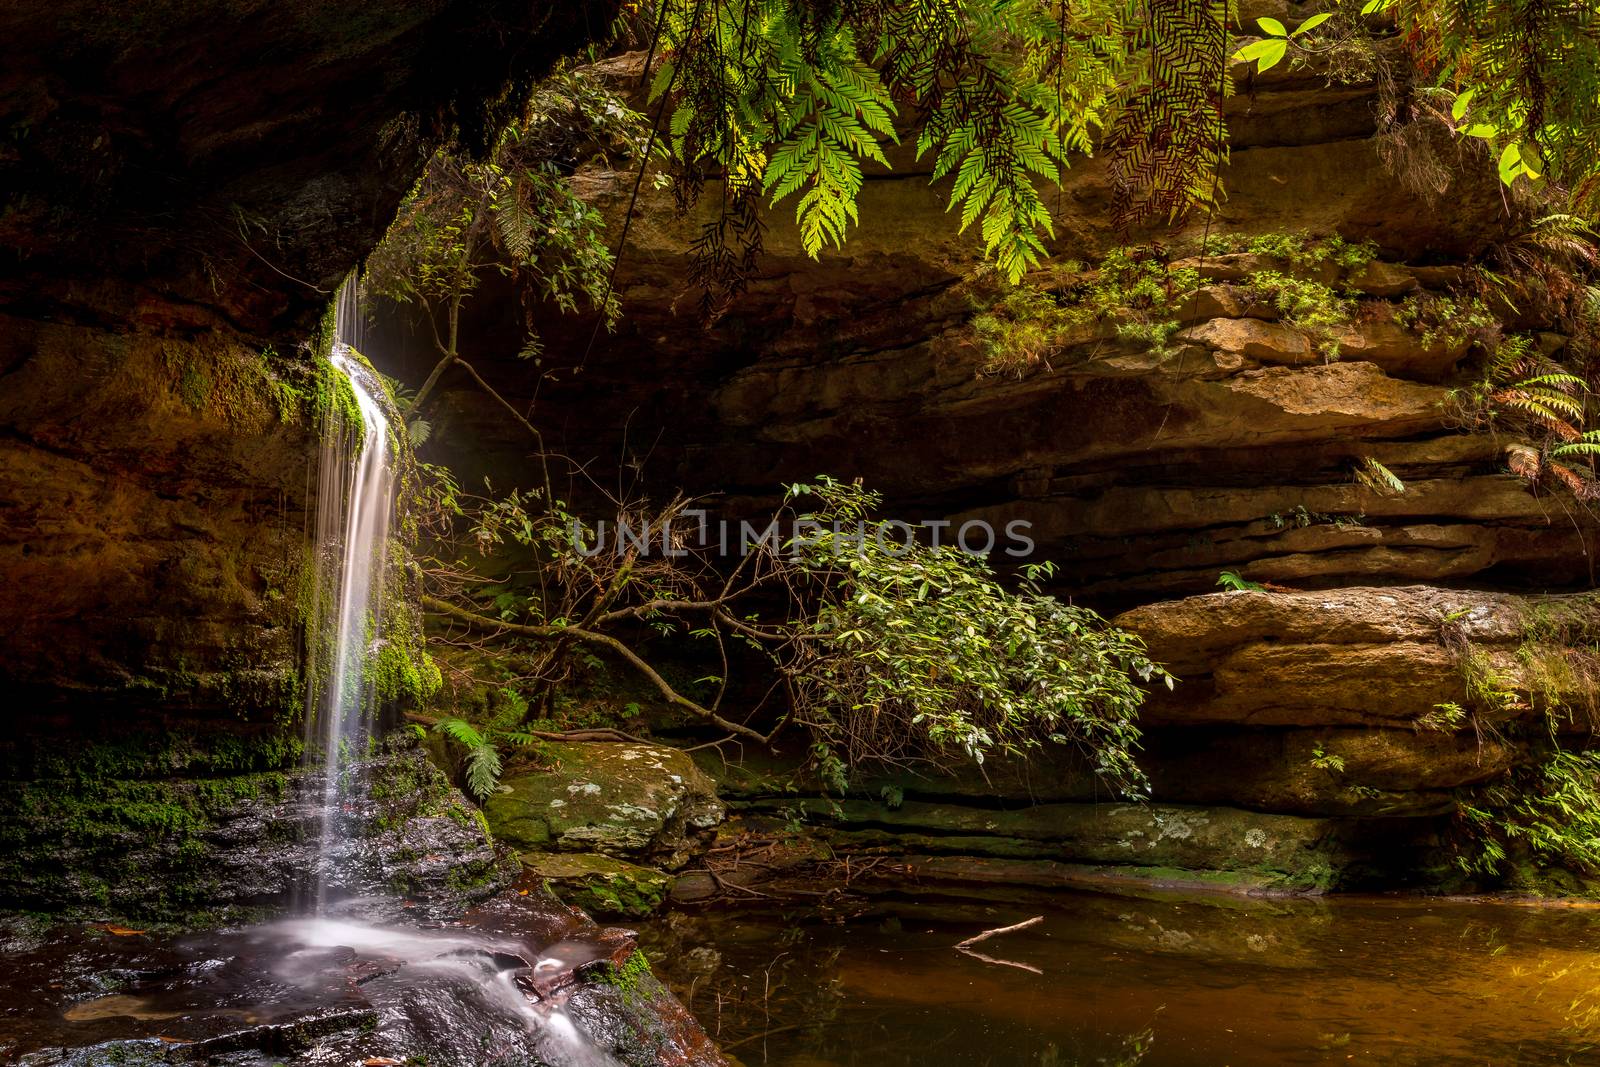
[{"x": 624, "y": 800}]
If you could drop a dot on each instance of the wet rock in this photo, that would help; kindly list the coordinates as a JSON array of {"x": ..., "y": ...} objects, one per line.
[
  {"x": 630, "y": 801},
  {"x": 604, "y": 887},
  {"x": 224, "y": 848},
  {"x": 280, "y": 994}
]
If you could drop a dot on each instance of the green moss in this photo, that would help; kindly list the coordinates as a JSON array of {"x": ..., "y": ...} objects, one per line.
[
  {"x": 152, "y": 754},
  {"x": 633, "y": 979},
  {"x": 605, "y": 887},
  {"x": 323, "y": 337},
  {"x": 400, "y": 675},
  {"x": 194, "y": 386},
  {"x": 1134, "y": 292},
  {"x": 95, "y": 842}
]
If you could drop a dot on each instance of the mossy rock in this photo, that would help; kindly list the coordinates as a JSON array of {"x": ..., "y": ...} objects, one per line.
[
  {"x": 1286, "y": 851},
  {"x": 605, "y": 887},
  {"x": 630, "y": 801}
]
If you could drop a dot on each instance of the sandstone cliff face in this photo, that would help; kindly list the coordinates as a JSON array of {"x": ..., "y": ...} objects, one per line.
[{"x": 1144, "y": 474}]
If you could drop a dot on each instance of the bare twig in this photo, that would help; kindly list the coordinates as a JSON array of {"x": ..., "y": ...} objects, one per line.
[
  {"x": 966, "y": 949},
  {"x": 551, "y": 633},
  {"x": 997, "y": 931}
]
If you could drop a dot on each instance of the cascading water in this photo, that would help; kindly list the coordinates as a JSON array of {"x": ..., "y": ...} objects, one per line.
[
  {"x": 354, "y": 501},
  {"x": 356, "y": 489}
]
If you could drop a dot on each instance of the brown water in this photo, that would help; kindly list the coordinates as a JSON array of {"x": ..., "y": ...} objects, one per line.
[{"x": 1159, "y": 981}]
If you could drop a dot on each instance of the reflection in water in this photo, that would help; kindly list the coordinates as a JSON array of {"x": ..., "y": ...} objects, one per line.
[{"x": 1162, "y": 982}]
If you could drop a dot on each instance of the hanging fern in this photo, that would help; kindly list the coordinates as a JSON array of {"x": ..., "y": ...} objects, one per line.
[
  {"x": 1528, "y": 76},
  {"x": 796, "y": 99},
  {"x": 1169, "y": 140},
  {"x": 839, "y": 113}
]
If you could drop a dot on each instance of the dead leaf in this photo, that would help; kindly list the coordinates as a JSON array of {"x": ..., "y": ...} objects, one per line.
[
  {"x": 174, "y": 1040},
  {"x": 380, "y": 1061},
  {"x": 120, "y": 931}
]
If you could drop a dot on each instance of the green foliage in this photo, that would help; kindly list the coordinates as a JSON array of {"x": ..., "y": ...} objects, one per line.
[
  {"x": 1269, "y": 51},
  {"x": 1323, "y": 760},
  {"x": 793, "y": 100},
  {"x": 481, "y": 763},
  {"x": 1300, "y": 249},
  {"x": 1550, "y": 811},
  {"x": 1444, "y": 718},
  {"x": 1378, "y": 478},
  {"x": 1545, "y": 406},
  {"x": 1447, "y": 321},
  {"x": 1301, "y": 517},
  {"x": 1307, "y": 305},
  {"x": 1528, "y": 78},
  {"x": 889, "y": 651},
  {"x": 918, "y": 652},
  {"x": 1169, "y": 140},
  {"x": 1234, "y": 583},
  {"x": 514, "y": 214},
  {"x": 1136, "y": 290}
]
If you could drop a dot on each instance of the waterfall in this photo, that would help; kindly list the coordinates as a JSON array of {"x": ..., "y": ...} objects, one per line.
[
  {"x": 354, "y": 499},
  {"x": 355, "y": 496}
]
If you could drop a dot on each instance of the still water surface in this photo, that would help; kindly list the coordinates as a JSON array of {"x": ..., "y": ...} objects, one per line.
[{"x": 1162, "y": 982}]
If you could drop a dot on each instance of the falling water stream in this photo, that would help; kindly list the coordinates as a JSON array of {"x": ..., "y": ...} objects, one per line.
[{"x": 357, "y": 480}]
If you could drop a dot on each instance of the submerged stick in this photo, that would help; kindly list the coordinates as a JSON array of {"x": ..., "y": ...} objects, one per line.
[{"x": 987, "y": 934}]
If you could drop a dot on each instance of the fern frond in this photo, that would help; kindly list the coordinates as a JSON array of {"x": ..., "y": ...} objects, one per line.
[
  {"x": 1378, "y": 478},
  {"x": 460, "y": 731},
  {"x": 482, "y": 771},
  {"x": 1586, "y": 445},
  {"x": 1526, "y": 463}
]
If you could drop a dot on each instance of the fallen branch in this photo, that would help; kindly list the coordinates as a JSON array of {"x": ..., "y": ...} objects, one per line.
[{"x": 965, "y": 947}]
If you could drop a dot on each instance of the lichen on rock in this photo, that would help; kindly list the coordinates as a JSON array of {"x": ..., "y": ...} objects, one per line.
[{"x": 621, "y": 799}]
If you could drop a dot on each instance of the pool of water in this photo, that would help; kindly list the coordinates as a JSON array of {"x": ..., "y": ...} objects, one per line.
[{"x": 1157, "y": 981}]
